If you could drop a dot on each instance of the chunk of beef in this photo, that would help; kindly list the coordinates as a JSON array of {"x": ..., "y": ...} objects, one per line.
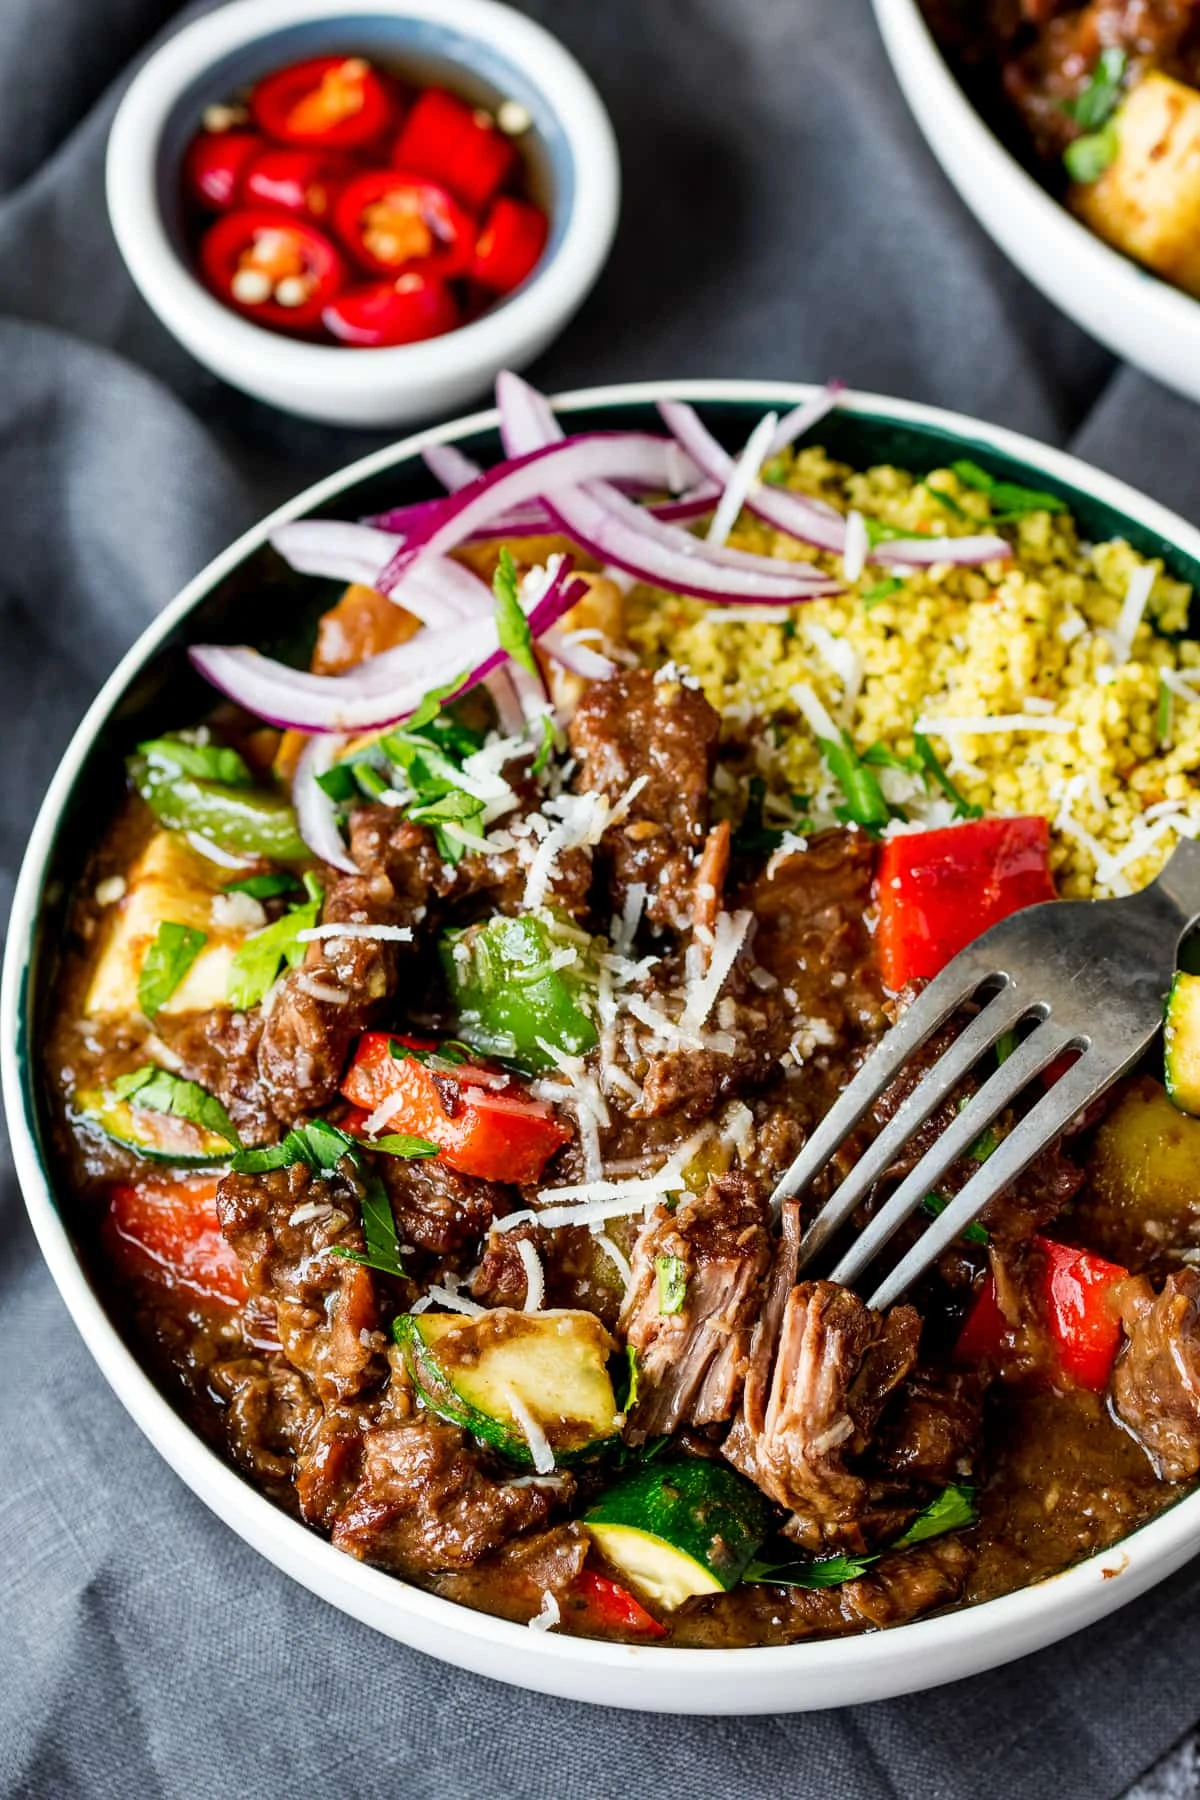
[
  {"x": 897, "y": 1589},
  {"x": 270, "y": 1414},
  {"x": 811, "y": 909},
  {"x": 219, "y": 1050},
  {"x": 343, "y": 983},
  {"x": 634, "y": 725},
  {"x": 436, "y": 1208},
  {"x": 1156, "y": 1383},
  {"x": 579, "y": 1272},
  {"x": 934, "y": 1428},
  {"x": 836, "y": 1365},
  {"x": 513, "y": 1584},
  {"x": 283, "y": 1224},
  {"x": 425, "y": 1503},
  {"x": 691, "y": 1363}
]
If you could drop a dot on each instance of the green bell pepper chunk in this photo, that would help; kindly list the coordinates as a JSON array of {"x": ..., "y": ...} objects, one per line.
[
  {"x": 248, "y": 821},
  {"x": 511, "y": 999}
]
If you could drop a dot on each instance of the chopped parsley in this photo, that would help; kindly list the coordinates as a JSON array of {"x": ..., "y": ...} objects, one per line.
[
  {"x": 880, "y": 533},
  {"x": 399, "y": 1144},
  {"x": 952, "y": 1510},
  {"x": 259, "y": 960},
  {"x": 265, "y": 887},
  {"x": 443, "y": 1060},
  {"x": 318, "y": 1143},
  {"x": 865, "y": 804},
  {"x": 159, "y": 1091},
  {"x": 932, "y": 768},
  {"x": 1008, "y": 501},
  {"x": 166, "y": 962},
  {"x": 322, "y": 1147},
  {"x": 1098, "y": 99},
  {"x": 934, "y": 1205},
  {"x": 672, "y": 1283},
  {"x": 947, "y": 500},
  {"x": 883, "y": 590},
  {"x": 512, "y": 627}
]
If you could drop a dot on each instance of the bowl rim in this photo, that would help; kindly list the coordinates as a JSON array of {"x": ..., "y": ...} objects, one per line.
[
  {"x": 880, "y": 1664},
  {"x": 941, "y": 108},
  {"x": 218, "y": 335}
]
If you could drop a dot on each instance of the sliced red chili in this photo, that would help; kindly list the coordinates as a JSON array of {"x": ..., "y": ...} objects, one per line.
[
  {"x": 383, "y": 314},
  {"x": 332, "y": 102},
  {"x": 392, "y": 222},
  {"x": 214, "y": 165},
  {"x": 300, "y": 181},
  {"x": 510, "y": 245},
  {"x": 456, "y": 144},
  {"x": 274, "y": 268}
]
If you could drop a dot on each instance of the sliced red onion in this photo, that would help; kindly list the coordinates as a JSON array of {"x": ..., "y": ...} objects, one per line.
[
  {"x": 438, "y": 591},
  {"x": 618, "y": 532},
  {"x": 316, "y": 813},
  {"x": 811, "y": 521},
  {"x": 509, "y": 713},
  {"x": 656, "y": 461},
  {"x": 447, "y": 464},
  {"x": 384, "y": 689},
  {"x": 742, "y": 478},
  {"x": 802, "y": 418}
]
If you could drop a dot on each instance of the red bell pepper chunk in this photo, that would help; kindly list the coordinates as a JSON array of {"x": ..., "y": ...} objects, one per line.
[
  {"x": 456, "y": 144},
  {"x": 392, "y": 221},
  {"x": 329, "y": 102},
  {"x": 940, "y": 890},
  {"x": 382, "y": 314},
  {"x": 1078, "y": 1308},
  {"x": 510, "y": 244},
  {"x": 611, "y": 1607},
  {"x": 166, "y": 1232},
  {"x": 272, "y": 267},
  {"x": 214, "y": 165},
  {"x": 496, "y": 1133}
]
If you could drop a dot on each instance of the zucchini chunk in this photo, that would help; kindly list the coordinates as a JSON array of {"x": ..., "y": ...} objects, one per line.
[
  {"x": 171, "y": 881},
  {"x": 159, "y": 1137},
  {"x": 1183, "y": 1043},
  {"x": 554, "y": 1365},
  {"x": 1147, "y": 202},
  {"x": 680, "y": 1527}
]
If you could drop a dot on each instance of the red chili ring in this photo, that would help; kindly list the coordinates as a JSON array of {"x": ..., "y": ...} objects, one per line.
[
  {"x": 329, "y": 102},
  {"x": 226, "y": 265},
  {"x": 423, "y": 229}
]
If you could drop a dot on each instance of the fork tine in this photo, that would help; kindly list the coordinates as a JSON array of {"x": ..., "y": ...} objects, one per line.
[
  {"x": 1077, "y": 1089},
  {"x": 1026, "y": 1061},
  {"x": 931, "y": 1008},
  {"x": 1000, "y": 1015}
]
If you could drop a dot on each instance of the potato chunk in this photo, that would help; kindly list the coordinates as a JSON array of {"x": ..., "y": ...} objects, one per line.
[{"x": 1147, "y": 202}]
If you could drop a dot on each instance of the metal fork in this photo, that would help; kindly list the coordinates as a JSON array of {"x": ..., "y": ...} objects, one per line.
[{"x": 1090, "y": 975}]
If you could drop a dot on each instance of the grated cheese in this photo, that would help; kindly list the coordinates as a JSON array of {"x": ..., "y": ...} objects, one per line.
[
  {"x": 814, "y": 713},
  {"x": 386, "y": 934},
  {"x": 321, "y": 990},
  {"x": 742, "y": 477},
  {"x": 615, "y": 1256},
  {"x": 1141, "y": 585},
  {"x": 729, "y": 934},
  {"x": 535, "y": 1276},
  {"x": 549, "y": 1616},
  {"x": 855, "y": 547},
  {"x": 995, "y": 722},
  {"x": 531, "y": 1431},
  {"x": 444, "y": 1296},
  {"x": 842, "y": 658}
]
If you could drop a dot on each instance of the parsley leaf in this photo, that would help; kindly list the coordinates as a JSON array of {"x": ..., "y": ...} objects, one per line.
[
  {"x": 166, "y": 962},
  {"x": 672, "y": 1283},
  {"x": 205, "y": 762},
  {"x": 826, "y": 1571},
  {"x": 934, "y": 1205},
  {"x": 1098, "y": 100},
  {"x": 879, "y": 756},
  {"x": 928, "y": 759},
  {"x": 891, "y": 584},
  {"x": 397, "y": 1144},
  {"x": 159, "y": 1091},
  {"x": 1007, "y": 499},
  {"x": 322, "y": 1146},
  {"x": 952, "y": 1510},
  {"x": 379, "y": 1229},
  {"x": 317, "y": 1143},
  {"x": 865, "y": 804},
  {"x": 948, "y": 501},
  {"x": 546, "y": 751},
  {"x": 264, "y": 887},
  {"x": 512, "y": 627},
  {"x": 259, "y": 960}
]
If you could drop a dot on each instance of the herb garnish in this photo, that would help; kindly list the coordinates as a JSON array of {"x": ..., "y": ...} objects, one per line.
[
  {"x": 159, "y": 1091},
  {"x": 399, "y": 1144},
  {"x": 952, "y": 1510},
  {"x": 1087, "y": 158},
  {"x": 260, "y": 959},
  {"x": 166, "y": 962},
  {"x": 934, "y": 1205},
  {"x": 865, "y": 804},
  {"x": 754, "y": 837},
  {"x": 1166, "y": 710},
  {"x": 323, "y": 1146},
  {"x": 883, "y": 590},
  {"x": 1008, "y": 501},
  {"x": 931, "y": 767},
  {"x": 445, "y": 1059},
  {"x": 265, "y": 887},
  {"x": 672, "y": 1283},
  {"x": 947, "y": 500},
  {"x": 205, "y": 762},
  {"x": 512, "y": 627}
]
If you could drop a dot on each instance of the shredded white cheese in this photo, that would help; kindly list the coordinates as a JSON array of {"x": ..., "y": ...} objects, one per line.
[
  {"x": 729, "y": 934},
  {"x": 856, "y": 546},
  {"x": 549, "y": 1616},
  {"x": 224, "y": 859},
  {"x": 814, "y": 713},
  {"x": 535, "y": 1277},
  {"x": 1141, "y": 585},
  {"x": 531, "y": 1431},
  {"x": 444, "y": 1296},
  {"x": 322, "y": 990},
  {"x": 385, "y": 934},
  {"x": 995, "y": 722},
  {"x": 742, "y": 477},
  {"x": 842, "y": 658},
  {"x": 615, "y": 1255}
]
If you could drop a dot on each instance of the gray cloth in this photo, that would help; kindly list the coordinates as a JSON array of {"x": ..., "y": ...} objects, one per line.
[{"x": 782, "y": 218}]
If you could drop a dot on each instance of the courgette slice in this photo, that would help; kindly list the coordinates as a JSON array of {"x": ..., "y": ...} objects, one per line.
[
  {"x": 157, "y": 1136},
  {"x": 553, "y": 1364},
  {"x": 1183, "y": 1043},
  {"x": 682, "y": 1526}
]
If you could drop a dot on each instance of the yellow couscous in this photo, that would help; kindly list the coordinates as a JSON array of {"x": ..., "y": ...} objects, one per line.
[{"x": 1102, "y": 714}]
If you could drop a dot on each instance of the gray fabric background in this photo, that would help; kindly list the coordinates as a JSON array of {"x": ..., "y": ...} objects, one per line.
[{"x": 782, "y": 218}]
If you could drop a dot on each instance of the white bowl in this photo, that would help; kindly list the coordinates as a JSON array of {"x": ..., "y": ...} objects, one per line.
[
  {"x": 1131, "y": 311},
  {"x": 230, "y": 595},
  {"x": 228, "y": 49}
]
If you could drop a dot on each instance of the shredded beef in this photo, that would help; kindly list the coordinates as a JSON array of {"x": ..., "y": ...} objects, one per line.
[
  {"x": 423, "y": 1502},
  {"x": 283, "y": 1225},
  {"x": 1156, "y": 1383},
  {"x": 638, "y": 725},
  {"x": 691, "y": 1363},
  {"x": 836, "y": 1364}
]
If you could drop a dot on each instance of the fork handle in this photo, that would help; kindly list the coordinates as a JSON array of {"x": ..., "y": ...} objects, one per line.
[{"x": 1179, "y": 882}]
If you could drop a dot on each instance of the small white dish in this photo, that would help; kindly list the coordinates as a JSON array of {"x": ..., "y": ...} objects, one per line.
[
  {"x": 793, "y": 1678},
  {"x": 1132, "y": 312},
  {"x": 227, "y": 50}
]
